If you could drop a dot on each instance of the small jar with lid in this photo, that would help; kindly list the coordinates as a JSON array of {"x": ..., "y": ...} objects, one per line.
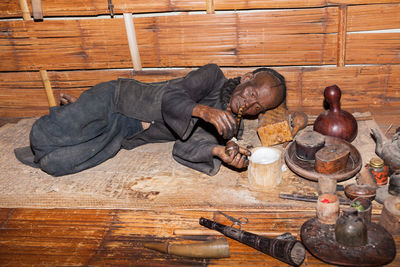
[{"x": 379, "y": 171}]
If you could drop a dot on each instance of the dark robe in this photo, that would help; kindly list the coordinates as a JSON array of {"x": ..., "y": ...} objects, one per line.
[{"x": 107, "y": 117}]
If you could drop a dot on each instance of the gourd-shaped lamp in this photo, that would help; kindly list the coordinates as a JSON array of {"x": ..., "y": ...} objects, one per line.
[{"x": 335, "y": 121}]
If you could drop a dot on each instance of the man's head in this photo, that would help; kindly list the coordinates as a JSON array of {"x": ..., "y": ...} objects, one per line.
[{"x": 258, "y": 91}]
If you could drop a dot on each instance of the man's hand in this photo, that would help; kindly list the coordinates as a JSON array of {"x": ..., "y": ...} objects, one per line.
[
  {"x": 232, "y": 155},
  {"x": 222, "y": 120}
]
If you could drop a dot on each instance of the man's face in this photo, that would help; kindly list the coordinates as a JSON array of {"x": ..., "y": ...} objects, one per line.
[{"x": 256, "y": 93}]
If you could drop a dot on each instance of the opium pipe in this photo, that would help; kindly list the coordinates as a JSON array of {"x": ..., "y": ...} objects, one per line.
[
  {"x": 288, "y": 250},
  {"x": 239, "y": 120}
]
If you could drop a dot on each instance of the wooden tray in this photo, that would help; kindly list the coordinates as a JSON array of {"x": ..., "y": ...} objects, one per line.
[
  {"x": 319, "y": 239},
  {"x": 305, "y": 168}
]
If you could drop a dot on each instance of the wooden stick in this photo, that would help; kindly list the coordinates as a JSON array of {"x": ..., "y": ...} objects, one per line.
[
  {"x": 210, "y": 6},
  {"x": 25, "y": 10},
  {"x": 47, "y": 87},
  {"x": 341, "y": 37},
  {"x": 133, "y": 47},
  {"x": 37, "y": 9}
]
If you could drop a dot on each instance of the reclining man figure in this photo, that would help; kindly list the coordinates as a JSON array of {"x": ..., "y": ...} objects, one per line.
[{"x": 197, "y": 112}]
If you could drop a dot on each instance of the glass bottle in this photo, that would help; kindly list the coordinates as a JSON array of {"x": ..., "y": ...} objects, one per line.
[{"x": 379, "y": 171}]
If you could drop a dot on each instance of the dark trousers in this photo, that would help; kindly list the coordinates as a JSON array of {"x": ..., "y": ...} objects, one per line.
[{"x": 81, "y": 135}]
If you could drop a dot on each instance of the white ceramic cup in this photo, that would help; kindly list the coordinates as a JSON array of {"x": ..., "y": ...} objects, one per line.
[{"x": 265, "y": 168}]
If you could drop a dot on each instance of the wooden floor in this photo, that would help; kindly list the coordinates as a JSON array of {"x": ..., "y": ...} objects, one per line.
[{"x": 99, "y": 237}]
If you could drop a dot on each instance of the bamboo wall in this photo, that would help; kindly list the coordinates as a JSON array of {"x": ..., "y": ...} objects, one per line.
[{"x": 315, "y": 43}]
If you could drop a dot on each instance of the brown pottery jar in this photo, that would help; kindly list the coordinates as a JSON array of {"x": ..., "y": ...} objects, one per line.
[{"x": 335, "y": 121}]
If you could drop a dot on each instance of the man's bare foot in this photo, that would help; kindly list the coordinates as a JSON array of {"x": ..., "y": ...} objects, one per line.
[
  {"x": 66, "y": 99},
  {"x": 145, "y": 125}
]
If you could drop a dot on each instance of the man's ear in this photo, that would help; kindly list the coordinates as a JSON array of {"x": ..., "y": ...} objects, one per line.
[{"x": 246, "y": 77}]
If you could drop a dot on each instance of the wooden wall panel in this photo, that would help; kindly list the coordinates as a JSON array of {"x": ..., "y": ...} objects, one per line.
[
  {"x": 361, "y": 2},
  {"x": 373, "y": 48},
  {"x": 170, "y": 41},
  {"x": 22, "y": 95},
  {"x": 373, "y": 17},
  {"x": 277, "y": 37},
  {"x": 315, "y": 49},
  {"x": 361, "y": 86},
  {"x": 140, "y": 6},
  {"x": 51, "y": 8},
  {"x": 258, "y": 4},
  {"x": 294, "y": 21},
  {"x": 393, "y": 89},
  {"x": 65, "y": 44},
  {"x": 196, "y": 40},
  {"x": 293, "y": 84},
  {"x": 9, "y": 9}
]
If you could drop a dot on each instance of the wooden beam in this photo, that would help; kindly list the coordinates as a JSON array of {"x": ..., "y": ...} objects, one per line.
[
  {"x": 47, "y": 87},
  {"x": 25, "y": 10},
  {"x": 342, "y": 32},
  {"x": 37, "y": 9},
  {"x": 133, "y": 47}
]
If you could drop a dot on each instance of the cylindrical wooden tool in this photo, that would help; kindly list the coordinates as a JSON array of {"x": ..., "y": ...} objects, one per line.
[
  {"x": 390, "y": 216},
  {"x": 210, "y": 249},
  {"x": 328, "y": 208}
]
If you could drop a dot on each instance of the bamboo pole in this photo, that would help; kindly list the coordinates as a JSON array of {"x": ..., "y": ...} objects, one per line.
[
  {"x": 37, "y": 9},
  {"x": 133, "y": 47},
  {"x": 47, "y": 87},
  {"x": 342, "y": 32},
  {"x": 25, "y": 10},
  {"x": 210, "y": 6}
]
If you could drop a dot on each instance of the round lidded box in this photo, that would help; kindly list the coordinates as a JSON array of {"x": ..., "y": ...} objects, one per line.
[
  {"x": 332, "y": 158},
  {"x": 308, "y": 143}
]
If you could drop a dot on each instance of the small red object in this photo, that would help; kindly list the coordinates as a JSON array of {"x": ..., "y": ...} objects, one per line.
[{"x": 325, "y": 200}]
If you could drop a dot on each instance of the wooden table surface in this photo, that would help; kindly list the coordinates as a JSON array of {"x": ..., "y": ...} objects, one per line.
[
  {"x": 115, "y": 237},
  {"x": 93, "y": 237}
]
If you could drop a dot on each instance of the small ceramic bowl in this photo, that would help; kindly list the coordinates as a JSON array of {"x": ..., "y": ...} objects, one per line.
[{"x": 353, "y": 191}]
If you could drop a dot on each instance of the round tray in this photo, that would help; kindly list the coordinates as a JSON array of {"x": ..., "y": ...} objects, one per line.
[
  {"x": 305, "y": 168},
  {"x": 320, "y": 241}
]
